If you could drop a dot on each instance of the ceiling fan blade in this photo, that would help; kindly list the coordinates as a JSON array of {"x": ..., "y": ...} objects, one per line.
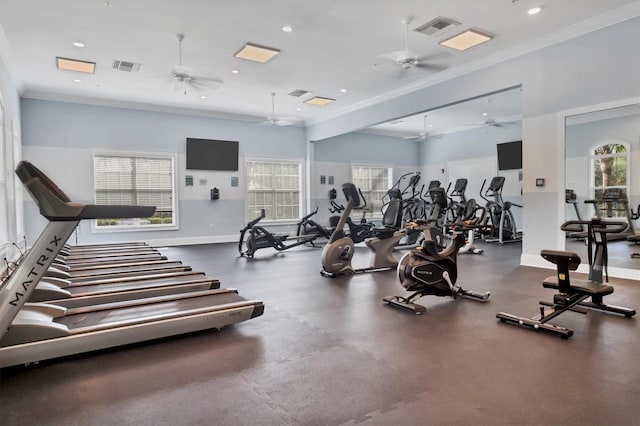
[
  {"x": 434, "y": 67},
  {"x": 205, "y": 83},
  {"x": 212, "y": 81}
]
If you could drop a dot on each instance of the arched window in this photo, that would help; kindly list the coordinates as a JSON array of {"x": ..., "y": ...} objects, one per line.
[{"x": 610, "y": 175}]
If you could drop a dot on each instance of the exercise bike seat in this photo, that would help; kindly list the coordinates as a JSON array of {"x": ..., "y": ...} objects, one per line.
[
  {"x": 580, "y": 286},
  {"x": 572, "y": 261}
]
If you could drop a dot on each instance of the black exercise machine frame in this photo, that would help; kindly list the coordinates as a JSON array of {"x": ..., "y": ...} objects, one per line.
[
  {"x": 572, "y": 297},
  {"x": 269, "y": 239}
]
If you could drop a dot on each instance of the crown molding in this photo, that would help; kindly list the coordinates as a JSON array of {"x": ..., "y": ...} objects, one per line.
[{"x": 587, "y": 26}]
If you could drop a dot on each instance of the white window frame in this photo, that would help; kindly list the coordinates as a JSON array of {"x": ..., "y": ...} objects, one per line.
[
  {"x": 592, "y": 164},
  {"x": 373, "y": 211},
  {"x": 135, "y": 225},
  {"x": 301, "y": 193}
]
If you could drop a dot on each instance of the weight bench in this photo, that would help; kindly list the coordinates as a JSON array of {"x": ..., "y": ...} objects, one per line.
[{"x": 571, "y": 297}]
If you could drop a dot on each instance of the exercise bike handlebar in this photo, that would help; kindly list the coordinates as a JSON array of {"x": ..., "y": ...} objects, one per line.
[
  {"x": 484, "y": 194},
  {"x": 598, "y": 226}
]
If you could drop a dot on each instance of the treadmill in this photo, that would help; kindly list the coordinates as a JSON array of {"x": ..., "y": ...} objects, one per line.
[{"x": 37, "y": 331}]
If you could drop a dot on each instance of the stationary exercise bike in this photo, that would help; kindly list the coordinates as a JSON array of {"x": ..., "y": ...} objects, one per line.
[
  {"x": 260, "y": 238},
  {"x": 338, "y": 252},
  {"x": 573, "y": 294},
  {"x": 428, "y": 272}
]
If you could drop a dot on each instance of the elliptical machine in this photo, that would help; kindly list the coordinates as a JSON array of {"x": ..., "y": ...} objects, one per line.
[
  {"x": 504, "y": 225},
  {"x": 426, "y": 271},
  {"x": 260, "y": 238},
  {"x": 338, "y": 252}
]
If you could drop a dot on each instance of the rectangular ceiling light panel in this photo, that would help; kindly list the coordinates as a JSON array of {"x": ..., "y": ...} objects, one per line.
[
  {"x": 466, "y": 40},
  {"x": 256, "y": 53},
  {"x": 319, "y": 101},
  {"x": 75, "y": 65}
]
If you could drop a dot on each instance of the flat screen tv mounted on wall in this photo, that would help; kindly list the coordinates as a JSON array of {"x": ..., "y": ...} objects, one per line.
[
  {"x": 510, "y": 155},
  {"x": 210, "y": 154}
]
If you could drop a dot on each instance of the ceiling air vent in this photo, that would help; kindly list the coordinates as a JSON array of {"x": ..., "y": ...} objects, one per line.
[
  {"x": 299, "y": 92},
  {"x": 126, "y": 66},
  {"x": 437, "y": 26}
]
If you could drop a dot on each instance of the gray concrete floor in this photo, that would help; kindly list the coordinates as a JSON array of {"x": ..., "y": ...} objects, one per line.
[{"x": 327, "y": 351}]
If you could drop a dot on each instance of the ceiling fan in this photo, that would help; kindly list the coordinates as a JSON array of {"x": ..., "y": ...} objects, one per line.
[
  {"x": 184, "y": 78},
  {"x": 274, "y": 120},
  {"x": 408, "y": 59},
  {"x": 490, "y": 121},
  {"x": 423, "y": 135}
]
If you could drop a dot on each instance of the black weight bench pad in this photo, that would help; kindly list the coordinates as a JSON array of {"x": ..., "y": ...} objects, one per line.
[{"x": 580, "y": 286}]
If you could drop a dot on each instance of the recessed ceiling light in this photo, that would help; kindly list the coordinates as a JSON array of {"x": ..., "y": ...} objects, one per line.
[
  {"x": 75, "y": 65},
  {"x": 343, "y": 90},
  {"x": 485, "y": 114},
  {"x": 287, "y": 29},
  {"x": 235, "y": 72},
  {"x": 254, "y": 52},
  {"x": 203, "y": 97},
  {"x": 77, "y": 80},
  {"x": 319, "y": 101},
  {"x": 466, "y": 40},
  {"x": 534, "y": 10},
  {"x": 298, "y": 109},
  {"x": 78, "y": 44},
  {"x": 430, "y": 125}
]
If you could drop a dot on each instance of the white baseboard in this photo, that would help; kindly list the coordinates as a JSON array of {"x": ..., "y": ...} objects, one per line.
[
  {"x": 535, "y": 261},
  {"x": 188, "y": 241}
]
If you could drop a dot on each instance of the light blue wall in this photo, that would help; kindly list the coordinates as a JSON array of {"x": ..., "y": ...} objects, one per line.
[
  {"x": 365, "y": 147},
  {"x": 334, "y": 156},
  {"x": 474, "y": 143},
  {"x": 598, "y": 67},
  {"x": 59, "y": 138}
]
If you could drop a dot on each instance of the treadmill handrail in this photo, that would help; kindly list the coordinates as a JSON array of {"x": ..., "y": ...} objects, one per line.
[{"x": 55, "y": 205}]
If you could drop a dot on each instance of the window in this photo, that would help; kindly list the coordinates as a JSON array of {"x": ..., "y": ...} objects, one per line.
[
  {"x": 275, "y": 187},
  {"x": 610, "y": 170},
  {"x": 145, "y": 180},
  {"x": 374, "y": 182}
]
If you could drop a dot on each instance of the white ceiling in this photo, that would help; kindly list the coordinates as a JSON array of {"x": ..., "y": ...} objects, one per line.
[{"x": 334, "y": 45}]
